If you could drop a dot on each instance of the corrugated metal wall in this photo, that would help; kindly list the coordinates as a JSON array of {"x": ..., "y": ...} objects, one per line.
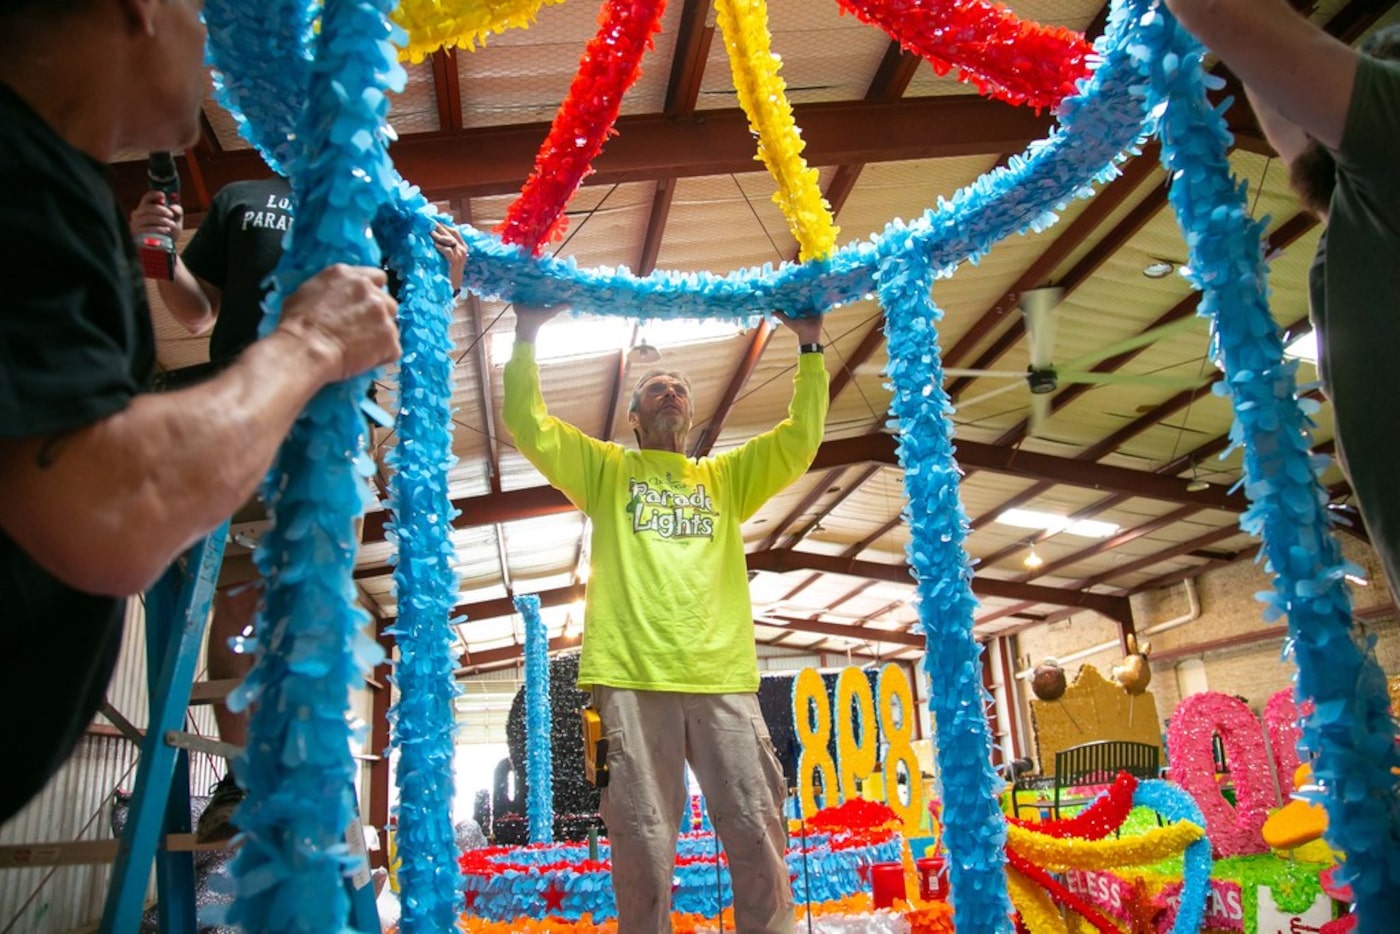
[{"x": 76, "y": 805}]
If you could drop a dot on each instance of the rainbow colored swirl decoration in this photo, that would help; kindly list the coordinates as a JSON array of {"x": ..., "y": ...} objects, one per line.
[{"x": 1144, "y": 75}]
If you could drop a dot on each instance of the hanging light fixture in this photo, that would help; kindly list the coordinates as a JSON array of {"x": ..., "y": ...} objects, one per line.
[
  {"x": 643, "y": 352},
  {"x": 1197, "y": 484},
  {"x": 1157, "y": 268},
  {"x": 1033, "y": 560}
]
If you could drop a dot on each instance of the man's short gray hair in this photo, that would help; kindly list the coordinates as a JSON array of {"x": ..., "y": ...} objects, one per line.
[{"x": 636, "y": 402}]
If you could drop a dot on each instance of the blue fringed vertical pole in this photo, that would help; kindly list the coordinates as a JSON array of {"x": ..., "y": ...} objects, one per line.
[
  {"x": 298, "y": 772},
  {"x": 974, "y": 829},
  {"x": 425, "y": 579},
  {"x": 261, "y": 53},
  {"x": 1350, "y": 728},
  {"x": 539, "y": 755}
]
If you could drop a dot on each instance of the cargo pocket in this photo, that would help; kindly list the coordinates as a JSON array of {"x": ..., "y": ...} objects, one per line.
[
  {"x": 616, "y": 804},
  {"x": 772, "y": 768}
]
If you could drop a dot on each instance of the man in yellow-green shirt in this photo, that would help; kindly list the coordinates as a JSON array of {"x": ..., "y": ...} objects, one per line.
[{"x": 668, "y": 649}]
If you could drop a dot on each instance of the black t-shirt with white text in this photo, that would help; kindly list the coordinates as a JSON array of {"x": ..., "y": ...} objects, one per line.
[{"x": 235, "y": 249}]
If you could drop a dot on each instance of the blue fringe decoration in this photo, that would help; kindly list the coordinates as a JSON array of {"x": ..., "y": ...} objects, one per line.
[
  {"x": 1174, "y": 805},
  {"x": 539, "y": 753},
  {"x": 261, "y": 54},
  {"x": 425, "y": 577},
  {"x": 1095, "y": 129},
  {"x": 1350, "y": 729},
  {"x": 974, "y": 829},
  {"x": 291, "y": 871}
]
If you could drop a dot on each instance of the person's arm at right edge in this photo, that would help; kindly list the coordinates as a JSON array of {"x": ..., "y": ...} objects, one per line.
[
  {"x": 1289, "y": 64},
  {"x": 192, "y": 301},
  {"x": 106, "y": 508}
]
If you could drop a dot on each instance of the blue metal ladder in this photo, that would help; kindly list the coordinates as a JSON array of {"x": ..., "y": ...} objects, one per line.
[{"x": 177, "y": 608}]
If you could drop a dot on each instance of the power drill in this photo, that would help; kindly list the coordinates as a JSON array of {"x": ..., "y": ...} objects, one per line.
[{"x": 157, "y": 250}]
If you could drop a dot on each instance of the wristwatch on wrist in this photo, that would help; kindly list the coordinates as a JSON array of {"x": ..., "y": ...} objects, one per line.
[{"x": 810, "y": 348}]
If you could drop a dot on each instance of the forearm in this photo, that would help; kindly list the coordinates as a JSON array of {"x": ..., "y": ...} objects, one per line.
[
  {"x": 187, "y": 300},
  {"x": 1288, "y": 63},
  {"x": 110, "y": 506},
  {"x": 1286, "y": 137}
]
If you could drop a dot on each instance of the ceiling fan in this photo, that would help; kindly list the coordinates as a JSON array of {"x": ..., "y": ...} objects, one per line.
[{"x": 1042, "y": 377}]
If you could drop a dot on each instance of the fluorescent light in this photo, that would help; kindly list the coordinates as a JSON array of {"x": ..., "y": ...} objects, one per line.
[
  {"x": 587, "y": 335},
  {"x": 678, "y": 332},
  {"x": 1049, "y": 522},
  {"x": 569, "y": 336},
  {"x": 1302, "y": 347}
]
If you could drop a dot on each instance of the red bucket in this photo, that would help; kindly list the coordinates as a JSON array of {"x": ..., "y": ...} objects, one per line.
[
  {"x": 887, "y": 883},
  {"x": 933, "y": 878}
]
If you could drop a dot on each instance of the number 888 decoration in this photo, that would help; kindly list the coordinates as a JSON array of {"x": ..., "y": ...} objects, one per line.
[{"x": 860, "y": 736}]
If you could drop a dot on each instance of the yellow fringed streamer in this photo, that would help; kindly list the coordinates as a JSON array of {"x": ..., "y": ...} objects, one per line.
[
  {"x": 437, "y": 24},
  {"x": 1059, "y": 855},
  {"x": 1033, "y": 903},
  {"x": 763, "y": 96}
]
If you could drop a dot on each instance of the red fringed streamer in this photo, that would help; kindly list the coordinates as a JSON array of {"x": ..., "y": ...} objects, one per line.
[
  {"x": 1098, "y": 820},
  {"x": 1060, "y": 894},
  {"x": 610, "y": 65},
  {"x": 852, "y": 815},
  {"x": 1005, "y": 57}
]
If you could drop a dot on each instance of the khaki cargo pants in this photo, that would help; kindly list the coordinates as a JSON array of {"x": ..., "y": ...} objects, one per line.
[{"x": 651, "y": 735}]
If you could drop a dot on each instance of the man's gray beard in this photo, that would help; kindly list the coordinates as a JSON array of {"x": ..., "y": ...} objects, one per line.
[{"x": 672, "y": 423}]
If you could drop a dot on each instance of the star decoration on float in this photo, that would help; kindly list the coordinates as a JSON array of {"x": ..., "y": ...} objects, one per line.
[
  {"x": 1143, "y": 908},
  {"x": 554, "y": 898}
]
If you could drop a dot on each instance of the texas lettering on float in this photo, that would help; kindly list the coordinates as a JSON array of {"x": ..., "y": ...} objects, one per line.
[{"x": 672, "y": 511}]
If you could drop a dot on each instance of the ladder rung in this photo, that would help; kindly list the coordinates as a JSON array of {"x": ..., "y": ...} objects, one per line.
[
  {"x": 90, "y": 852},
  {"x": 73, "y": 853},
  {"x": 127, "y": 728},
  {"x": 204, "y": 744},
  {"x": 211, "y": 692},
  {"x": 186, "y": 843}
]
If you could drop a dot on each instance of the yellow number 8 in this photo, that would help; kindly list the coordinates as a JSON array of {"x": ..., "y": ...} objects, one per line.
[
  {"x": 856, "y": 758},
  {"x": 898, "y": 727},
  {"x": 812, "y": 716}
]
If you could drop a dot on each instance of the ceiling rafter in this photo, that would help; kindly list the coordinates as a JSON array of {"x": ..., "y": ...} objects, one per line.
[
  {"x": 892, "y": 76},
  {"x": 1131, "y": 567},
  {"x": 817, "y": 491},
  {"x": 1088, "y": 512},
  {"x": 1074, "y": 235},
  {"x": 1029, "y": 465},
  {"x": 1284, "y": 236},
  {"x": 876, "y": 448},
  {"x": 709, "y": 432},
  {"x": 1110, "y": 243},
  {"x": 780, "y": 561},
  {"x": 842, "y": 495},
  {"x": 1147, "y": 561},
  {"x": 880, "y": 532},
  {"x": 495, "y": 160},
  {"x": 447, "y": 89},
  {"x": 852, "y": 631}
]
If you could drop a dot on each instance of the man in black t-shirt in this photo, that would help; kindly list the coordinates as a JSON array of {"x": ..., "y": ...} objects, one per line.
[
  {"x": 221, "y": 276},
  {"x": 104, "y": 483},
  {"x": 221, "y": 280}
]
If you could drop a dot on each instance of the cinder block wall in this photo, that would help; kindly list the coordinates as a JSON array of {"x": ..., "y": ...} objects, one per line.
[{"x": 1228, "y": 608}]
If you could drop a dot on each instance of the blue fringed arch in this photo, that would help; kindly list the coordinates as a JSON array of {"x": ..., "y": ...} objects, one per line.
[{"x": 1149, "y": 72}]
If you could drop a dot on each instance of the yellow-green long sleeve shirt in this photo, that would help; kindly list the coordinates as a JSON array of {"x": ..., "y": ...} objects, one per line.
[{"x": 668, "y": 605}]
